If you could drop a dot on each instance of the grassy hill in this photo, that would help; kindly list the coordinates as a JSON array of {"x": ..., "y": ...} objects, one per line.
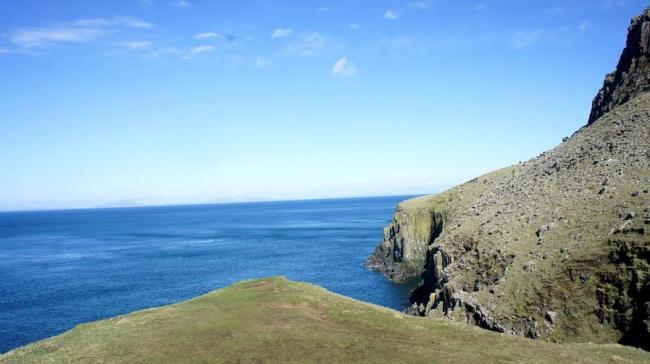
[
  {"x": 557, "y": 247},
  {"x": 278, "y": 320}
]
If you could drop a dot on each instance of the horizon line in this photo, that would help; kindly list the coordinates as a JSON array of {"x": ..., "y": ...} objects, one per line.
[{"x": 100, "y": 207}]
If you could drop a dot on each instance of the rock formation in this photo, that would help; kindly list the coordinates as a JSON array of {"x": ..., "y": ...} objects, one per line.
[
  {"x": 557, "y": 247},
  {"x": 632, "y": 76}
]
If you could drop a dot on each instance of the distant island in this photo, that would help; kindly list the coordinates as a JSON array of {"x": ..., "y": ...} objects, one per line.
[{"x": 121, "y": 203}]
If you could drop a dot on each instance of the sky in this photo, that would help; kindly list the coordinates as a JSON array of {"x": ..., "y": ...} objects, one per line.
[{"x": 197, "y": 101}]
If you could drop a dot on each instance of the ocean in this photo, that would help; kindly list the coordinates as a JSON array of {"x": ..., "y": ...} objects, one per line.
[{"x": 62, "y": 268}]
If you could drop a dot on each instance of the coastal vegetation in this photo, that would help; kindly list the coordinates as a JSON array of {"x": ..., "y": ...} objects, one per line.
[{"x": 277, "y": 320}]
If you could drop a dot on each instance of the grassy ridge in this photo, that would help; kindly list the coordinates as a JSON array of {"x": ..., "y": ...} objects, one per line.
[{"x": 278, "y": 320}]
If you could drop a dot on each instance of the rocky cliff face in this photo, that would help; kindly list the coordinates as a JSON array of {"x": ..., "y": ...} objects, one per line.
[
  {"x": 557, "y": 247},
  {"x": 403, "y": 253},
  {"x": 631, "y": 77}
]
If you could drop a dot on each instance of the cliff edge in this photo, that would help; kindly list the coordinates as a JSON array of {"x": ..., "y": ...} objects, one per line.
[{"x": 557, "y": 247}]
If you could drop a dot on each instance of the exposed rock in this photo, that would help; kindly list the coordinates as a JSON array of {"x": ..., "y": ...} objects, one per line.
[
  {"x": 551, "y": 316},
  {"x": 543, "y": 229},
  {"x": 631, "y": 76},
  {"x": 528, "y": 266},
  {"x": 403, "y": 253}
]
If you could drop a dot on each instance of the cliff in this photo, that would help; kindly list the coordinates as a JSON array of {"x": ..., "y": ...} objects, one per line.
[
  {"x": 632, "y": 76},
  {"x": 556, "y": 247},
  {"x": 279, "y": 321}
]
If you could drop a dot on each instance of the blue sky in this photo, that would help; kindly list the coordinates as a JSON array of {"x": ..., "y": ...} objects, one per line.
[{"x": 165, "y": 102}]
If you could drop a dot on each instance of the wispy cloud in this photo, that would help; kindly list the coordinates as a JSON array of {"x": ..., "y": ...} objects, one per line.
[
  {"x": 584, "y": 25},
  {"x": 204, "y": 48},
  {"x": 355, "y": 26},
  {"x": 146, "y": 49},
  {"x": 308, "y": 44},
  {"x": 343, "y": 68},
  {"x": 524, "y": 39},
  {"x": 419, "y": 5},
  {"x": 555, "y": 10},
  {"x": 612, "y": 4},
  {"x": 281, "y": 33},
  {"x": 399, "y": 42},
  {"x": 41, "y": 37},
  {"x": 138, "y": 45},
  {"x": 79, "y": 31},
  {"x": 182, "y": 4},
  {"x": 391, "y": 15},
  {"x": 261, "y": 62},
  {"x": 477, "y": 7},
  {"x": 118, "y": 21},
  {"x": 207, "y": 35}
]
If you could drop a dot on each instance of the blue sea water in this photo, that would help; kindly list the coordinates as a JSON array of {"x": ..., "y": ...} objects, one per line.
[{"x": 62, "y": 268}]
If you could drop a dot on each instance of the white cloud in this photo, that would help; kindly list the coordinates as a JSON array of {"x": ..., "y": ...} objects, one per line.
[
  {"x": 399, "y": 42},
  {"x": 308, "y": 44},
  {"x": 391, "y": 15},
  {"x": 118, "y": 21},
  {"x": 136, "y": 45},
  {"x": 207, "y": 35},
  {"x": 355, "y": 26},
  {"x": 182, "y": 4},
  {"x": 130, "y": 22},
  {"x": 478, "y": 7},
  {"x": 555, "y": 10},
  {"x": 584, "y": 26},
  {"x": 146, "y": 2},
  {"x": 281, "y": 33},
  {"x": 523, "y": 39},
  {"x": 261, "y": 62},
  {"x": 202, "y": 49},
  {"x": 612, "y": 4},
  {"x": 343, "y": 68},
  {"x": 40, "y": 37},
  {"x": 79, "y": 31},
  {"x": 147, "y": 50},
  {"x": 419, "y": 4}
]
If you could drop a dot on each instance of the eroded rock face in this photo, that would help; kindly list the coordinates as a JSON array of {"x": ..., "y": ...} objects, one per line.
[
  {"x": 632, "y": 75},
  {"x": 403, "y": 253}
]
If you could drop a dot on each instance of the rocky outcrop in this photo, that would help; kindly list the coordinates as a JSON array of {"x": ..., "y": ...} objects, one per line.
[
  {"x": 403, "y": 253},
  {"x": 555, "y": 248},
  {"x": 624, "y": 294},
  {"x": 632, "y": 75}
]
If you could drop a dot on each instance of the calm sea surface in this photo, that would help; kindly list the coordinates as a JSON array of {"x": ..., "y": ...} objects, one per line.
[{"x": 62, "y": 268}]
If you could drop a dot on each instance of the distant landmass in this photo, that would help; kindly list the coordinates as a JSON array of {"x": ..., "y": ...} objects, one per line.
[{"x": 120, "y": 203}]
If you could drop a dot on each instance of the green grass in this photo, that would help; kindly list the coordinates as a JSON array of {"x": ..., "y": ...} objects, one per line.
[{"x": 276, "y": 320}]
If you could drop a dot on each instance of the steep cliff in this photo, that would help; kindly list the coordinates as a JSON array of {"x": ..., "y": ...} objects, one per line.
[
  {"x": 556, "y": 247},
  {"x": 403, "y": 252},
  {"x": 631, "y": 77}
]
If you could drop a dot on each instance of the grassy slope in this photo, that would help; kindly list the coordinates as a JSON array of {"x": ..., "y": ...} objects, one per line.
[
  {"x": 278, "y": 320},
  {"x": 502, "y": 210}
]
